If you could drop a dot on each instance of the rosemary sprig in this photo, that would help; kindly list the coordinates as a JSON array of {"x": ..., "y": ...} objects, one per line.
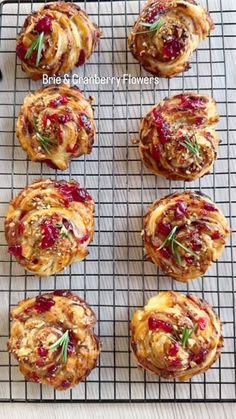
[
  {"x": 187, "y": 334},
  {"x": 65, "y": 233},
  {"x": 171, "y": 238},
  {"x": 37, "y": 44},
  {"x": 62, "y": 343},
  {"x": 45, "y": 142},
  {"x": 153, "y": 27},
  {"x": 194, "y": 148}
]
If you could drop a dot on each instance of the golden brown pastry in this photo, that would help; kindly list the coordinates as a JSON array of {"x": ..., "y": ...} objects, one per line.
[
  {"x": 52, "y": 337},
  {"x": 184, "y": 233},
  {"x": 166, "y": 34},
  {"x": 55, "y": 39},
  {"x": 49, "y": 226},
  {"x": 177, "y": 137},
  {"x": 176, "y": 336},
  {"x": 55, "y": 124}
]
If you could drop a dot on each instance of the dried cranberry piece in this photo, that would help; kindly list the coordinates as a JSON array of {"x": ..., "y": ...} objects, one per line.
[
  {"x": 180, "y": 210},
  {"x": 196, "y": 244},
  {"x": 73, "y": 192},
  {"x": 21, "y": 228},
  {"x": 199, "y": 121},
  {"x": 82, "y": 58},
  {"x": 165, "y": 252},
  {"x": 210, "y": 207},
  {"x": 50, "y": 234},
  {"x": 156, "y": 324},
  {"x": 64, "y": 119},
  {"x": 84, "y": 238},
  {"x": 53, "y": 370},
  {"x": 174, "y": 349},
  {"x": 21, "y": 51},
  {"x": 191, "y": 102},
  {"x": 189, "y": 260},
  {"x": 66, "y": 384},
  {"x": 172, "y": 48},
  {"x": 216, "y": 235},
  {"x": 164, "y": 229},
  {"x": 202, "y": 323},
  {"x": 156, "y": 152},
  {"x": 50, "y": 164},
  {"x": 43, "y": 352},
  {"x": 33, "y": 377},
  {"x": 44, "y": 24},
  {"x": 84, "y": 122},
  {"x": 15, "y": 251},
  {"x": 53, "y": 117},
  {"x": 153, "y": 14},
  {"x": 72, "y": 343},
  {"x": 199, "y": 357},
  {"x": 42, "y": 304},
  {"x": 61, "y": 293},
  {"x": 61, "y": 100},
  {"x": 162, "y": 126},
  {"x": 32, "y": 60},
  {"x": 176, "y": 363}
]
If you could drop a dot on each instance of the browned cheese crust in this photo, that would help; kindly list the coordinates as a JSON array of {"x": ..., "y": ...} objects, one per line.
[
  {"x": 55, "y": 124},
  {"x": 165, "y": 49},
  {"x": 38, "y": 324},
  {"x": 176, "y": 336},
  {"x": 177, "y": 137},
  {"x": 49, "y": 225},
  {"x": 68, "y": 37},
  {"x": 184, "y": 233}
]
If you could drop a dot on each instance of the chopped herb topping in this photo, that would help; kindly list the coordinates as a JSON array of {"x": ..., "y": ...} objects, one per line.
[
  {"x": 193, "y": 147},
  {"x": 62, "y": 343},
  {"x": 37, "y": 45},
  {"x": 65, "y": 233},
  {"x": 187, "y": 334},
  {"x": 45, "y": 142},
  {"x": 174, "y": 244},
  {"x": 152, "y": 27}
]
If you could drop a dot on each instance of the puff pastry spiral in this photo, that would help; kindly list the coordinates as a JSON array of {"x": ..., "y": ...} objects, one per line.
[
  {"x": 55, "y": 124},
  {"x": 166, "y": 34},
  {"x": 176, "y": 336},
  {"x": 49, "y": 226},
  {"x": 52, "y": 337},
  {"x": 184, "y": 233},
  {"x": 177, "y": 137},
  {"x": 55, "y": 39}
]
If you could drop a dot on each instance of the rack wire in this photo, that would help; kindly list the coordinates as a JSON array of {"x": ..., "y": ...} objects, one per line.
[{"x": 115, "y": 279}]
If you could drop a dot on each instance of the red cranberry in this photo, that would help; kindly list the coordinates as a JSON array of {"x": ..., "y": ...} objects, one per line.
[
  {"x": 172, "y": 48},
  {"x": 196, "y": 244},
  {"x": 43, "y": 352},
  {"x": 72, "y": 343},
  {"x": 61, "y": 100},
  {"x": 199, "y": 357},
  {"x": 32, "y": 60},
  {"x": 175, "y": 363},
  {"x": 15, "y": 251},
  {"x": 21, "y": 228},
  {"x": 191, "y": 102},
  {"x": 72, "y": 150},
  {"x": 174, "y": 349},
  {"x": 52, "y": 370},
  {"x": 21, "y": 51},
  {"x": 180, "y": 210},
  {"x": 50, "y": 234},
  {"x": 156, "y": 324},
  {"x": 210, "y": 207},
  {"x": 156, "y": 152},
  {"x": 67, "y": 224},
  {"x": 42, "y": 304},
  {"x": 61, "y": 293},
  {"x": 189, "y": 260},
  {"x": 216, "y": 235},
  {"x": 84, "y": 122},
  {"x": 153, "y": 14},
  {"x": 64, "y": 119},
  {"x": 33, "y": 377},
  {"x": 44, "y": 24},
  {"x": 82, "y": 58},
  {"x": 199, "y": 121},
  {"x": 50, "y": 164},
  {"x": 73, "y": 192},
  {"x": 66, "y": 384},
  {"x": 53, "y": 118},
  {"x": 85, "y": 238},
  {"x": 202, "y": 323},
  {"x": 165, "y": 252},
  {"x": 164, "y": 229},
  {"x": 41, "y": 362},
  {"x": 162, "y": 126}
]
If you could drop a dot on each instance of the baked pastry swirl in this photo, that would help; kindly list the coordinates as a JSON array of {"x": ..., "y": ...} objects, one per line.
[
  {"x": 177, "y": 137},
  {"x": 52, "y": 337},
  {"x": 184, "y": 233},
  {"x": 49, "y": 226},
  {"x": 55, "y": 124},
  {"x": 166, "y": 34},
  {"x": 55, "y": 39},
  {"x": 176, "y": 336}
]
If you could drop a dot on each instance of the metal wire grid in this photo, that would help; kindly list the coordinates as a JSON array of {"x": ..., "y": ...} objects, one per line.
[{"x": 115, "y": 279}]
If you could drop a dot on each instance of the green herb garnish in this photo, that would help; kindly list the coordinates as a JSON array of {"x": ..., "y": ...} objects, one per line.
[
  {"x": 171, "y": 238},
  {"x": 62, "y": 343},
  {"x": 65, "y": 233},
  {"x": 194, "y": 148},
  {"x": 187, "y": 334},
  {"x": 37, "y": 45},
  {"x": 45, "y": 142},
  {"x": 153, "y": 27}
]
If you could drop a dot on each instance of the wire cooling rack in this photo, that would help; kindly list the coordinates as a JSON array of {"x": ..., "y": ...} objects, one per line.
[{"x": 115, "y": 279}]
